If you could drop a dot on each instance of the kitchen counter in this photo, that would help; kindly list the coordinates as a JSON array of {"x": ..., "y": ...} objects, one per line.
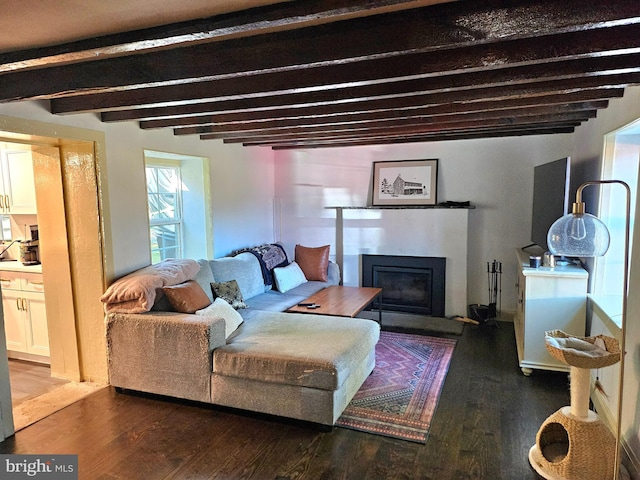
[{"x": 16, "y": 266}]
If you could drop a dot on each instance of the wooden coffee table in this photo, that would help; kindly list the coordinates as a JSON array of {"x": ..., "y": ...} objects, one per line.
[{"x": 340, "y": 301}]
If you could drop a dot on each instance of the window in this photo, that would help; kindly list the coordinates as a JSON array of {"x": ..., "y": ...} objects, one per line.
[
  {"x": 165, "y": 210},
  {"x": 180, "y": 208},
  {"x": 620, "y": 162},
  {"x": 5, "y": 228}
]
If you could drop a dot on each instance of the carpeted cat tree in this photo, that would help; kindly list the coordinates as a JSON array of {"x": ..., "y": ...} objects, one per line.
[{"x": 573, "y": 443}]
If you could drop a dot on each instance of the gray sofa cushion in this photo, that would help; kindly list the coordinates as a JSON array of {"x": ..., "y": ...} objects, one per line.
[
  {"x": 296, "y": 349},
  {"x": 272, "y": 301},
  {"x": 244, "y": 268},
  {"x": 204, "y": 277},
  {"x": 333, "y": 274},
  {"x": 307, "y": 289}
]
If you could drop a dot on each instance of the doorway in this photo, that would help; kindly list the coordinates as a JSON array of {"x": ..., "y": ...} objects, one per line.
[
  {"x": 69, "y": 186},
  {"x": 21, "y": 279}
]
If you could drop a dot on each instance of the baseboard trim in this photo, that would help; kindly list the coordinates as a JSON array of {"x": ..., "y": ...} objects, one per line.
[
  {"x": 506, "y": 316},
  {"x": 630, "y": 460}
]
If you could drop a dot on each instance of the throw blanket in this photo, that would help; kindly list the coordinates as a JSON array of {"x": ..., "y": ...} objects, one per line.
[
  {"x": 270, "y": 256},
  {"x": 577, "y": 346},
  {"x": 137, "y": 291}
]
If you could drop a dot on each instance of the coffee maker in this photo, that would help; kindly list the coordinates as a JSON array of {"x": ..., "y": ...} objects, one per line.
[{"x": 29, "y": 248}]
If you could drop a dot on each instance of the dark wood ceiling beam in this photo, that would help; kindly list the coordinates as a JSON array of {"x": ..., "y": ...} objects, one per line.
[
  {"x": 475, "y": 22},
  {"x": 267, "y": 19},
  {"x": 268, "y": 141},
  {"x": 415, "y": 139},
  {"x": 396, "y": 136},
  {"x": 408, "y": 128},
  {"x": 390, "y": 121},
  {"x": 494, "y": 94},
  {"x": 305, "y": 48},
  {"x": 530, "y": 106},
  {"x": 509, "y": 76},
  {"x": 286, "y": 111},
  {"x": 457, "y": 70},
  {"x": 127, "y": 75},
  {"x": 235, "y": 95}
]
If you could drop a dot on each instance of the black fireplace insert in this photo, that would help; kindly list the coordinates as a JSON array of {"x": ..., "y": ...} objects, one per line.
[{"x": 409, "y": 284}]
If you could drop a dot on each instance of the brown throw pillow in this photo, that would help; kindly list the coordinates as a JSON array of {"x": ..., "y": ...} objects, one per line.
[
  {"x": 187, "y": 297},
  {"x": 313, "y": 261}
]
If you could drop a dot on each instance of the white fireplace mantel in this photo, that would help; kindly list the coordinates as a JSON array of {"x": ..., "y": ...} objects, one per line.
[{"x": 411, "y": 231}]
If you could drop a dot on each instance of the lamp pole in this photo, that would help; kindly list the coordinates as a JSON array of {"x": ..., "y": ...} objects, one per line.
[{"x": 623, "y": 326}]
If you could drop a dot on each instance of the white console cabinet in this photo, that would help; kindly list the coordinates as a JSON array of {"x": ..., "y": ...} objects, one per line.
[{"x": 548, "y": 299}]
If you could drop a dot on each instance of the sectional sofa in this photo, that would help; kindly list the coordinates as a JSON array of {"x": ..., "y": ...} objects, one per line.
[{"x": 306, "y": 367}]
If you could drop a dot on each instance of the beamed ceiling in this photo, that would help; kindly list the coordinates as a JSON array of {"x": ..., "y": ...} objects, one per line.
[{"x": 323, "y": 73}]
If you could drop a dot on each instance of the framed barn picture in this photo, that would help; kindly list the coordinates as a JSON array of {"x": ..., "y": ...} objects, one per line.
[{"x": 405, "y": 182}]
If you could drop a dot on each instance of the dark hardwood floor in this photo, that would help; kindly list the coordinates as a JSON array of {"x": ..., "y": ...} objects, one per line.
[
  {"x": 485, "y": 423},
  {"x": 29, "y": 380}
]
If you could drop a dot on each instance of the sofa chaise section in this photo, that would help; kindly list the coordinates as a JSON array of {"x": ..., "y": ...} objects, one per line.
[{"x": 294, "y": 365}]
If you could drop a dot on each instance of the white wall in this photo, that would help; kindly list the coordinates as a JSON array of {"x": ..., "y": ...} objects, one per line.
[
  {"x": 496, "y": 175},
  {"x": 241, "y": 179},
  {"x": 588, "y": 149}
]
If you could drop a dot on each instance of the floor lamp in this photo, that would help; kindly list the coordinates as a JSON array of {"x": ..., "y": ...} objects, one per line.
[{"x": 580, "y": 234}]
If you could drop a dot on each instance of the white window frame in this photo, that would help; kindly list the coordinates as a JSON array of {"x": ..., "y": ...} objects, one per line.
[
  {"x": 197, "y": 206},
  {"x": 621, "y": 160},
  {"x": 158, "y": 254}
]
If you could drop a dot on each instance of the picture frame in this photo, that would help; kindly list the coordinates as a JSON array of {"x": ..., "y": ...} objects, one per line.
[{"x": 405, "y": 182}]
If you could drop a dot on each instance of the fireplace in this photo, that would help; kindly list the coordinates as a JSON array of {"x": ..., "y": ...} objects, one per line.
[{"x": 409, "y": 284}]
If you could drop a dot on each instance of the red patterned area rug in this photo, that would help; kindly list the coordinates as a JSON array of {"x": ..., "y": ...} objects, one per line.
[{"x": 400, "y": 397}]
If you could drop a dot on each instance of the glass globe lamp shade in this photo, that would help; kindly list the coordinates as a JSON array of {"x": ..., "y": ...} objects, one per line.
[{"x": 578, "y": 235}]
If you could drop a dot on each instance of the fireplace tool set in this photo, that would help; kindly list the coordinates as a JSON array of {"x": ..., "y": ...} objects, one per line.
[
  {"x": 494, "y": 277},
  {"x": 489, "y": 313}
]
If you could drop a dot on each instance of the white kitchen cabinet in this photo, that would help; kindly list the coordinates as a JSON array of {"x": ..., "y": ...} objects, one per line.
[
  {"x": 548, "y": 299},
  {"x": 25, "y": 316},
  {"x": 17, "y": 188}
]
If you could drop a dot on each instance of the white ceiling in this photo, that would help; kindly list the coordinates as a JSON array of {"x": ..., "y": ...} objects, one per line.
[{"x": 37, "y": 23}]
